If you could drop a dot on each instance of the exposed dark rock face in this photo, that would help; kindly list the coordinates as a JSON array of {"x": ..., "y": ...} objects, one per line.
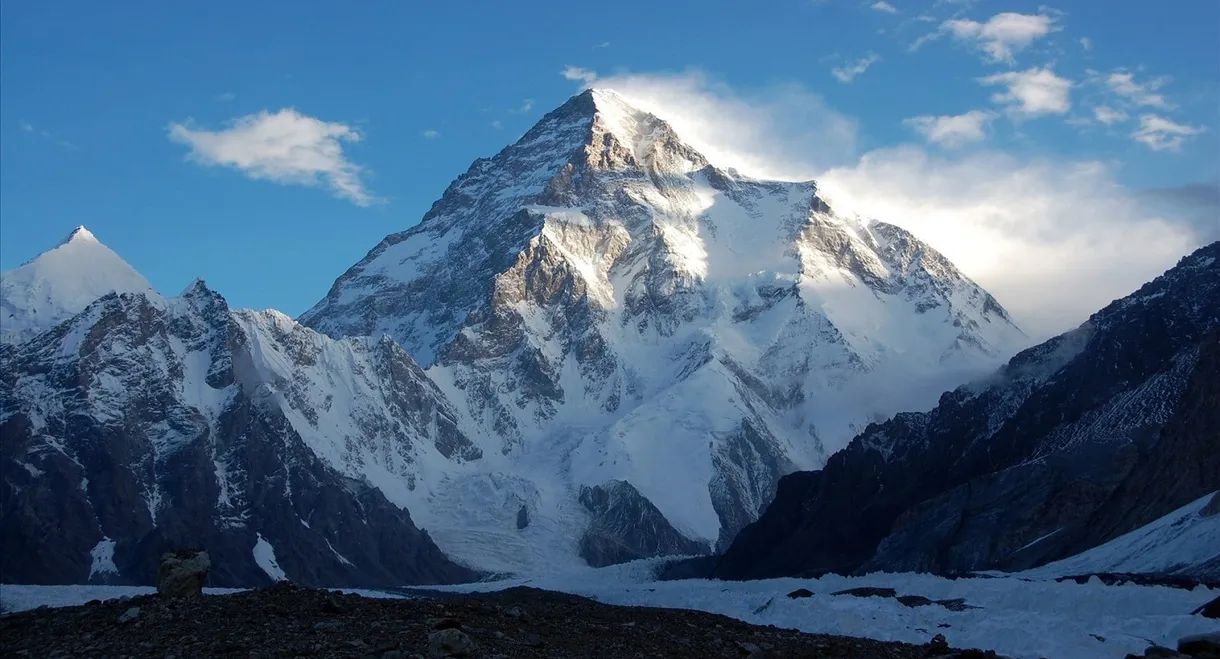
[
  {"x": 143, "y": 426},
  {"x": 626, "y": 526},
  {"x": 1074, "y": 442}
]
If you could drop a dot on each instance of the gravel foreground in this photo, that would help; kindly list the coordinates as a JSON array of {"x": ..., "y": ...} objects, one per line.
[{"x": 289, "y": 621}]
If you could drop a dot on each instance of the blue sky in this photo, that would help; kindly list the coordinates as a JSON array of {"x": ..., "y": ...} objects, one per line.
[{"x": 912, "y": 109}]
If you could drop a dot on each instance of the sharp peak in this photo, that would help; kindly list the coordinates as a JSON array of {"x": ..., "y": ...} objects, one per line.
[
  {"x": 80, "y": 233},
  {"x": 602, "y": 100}
]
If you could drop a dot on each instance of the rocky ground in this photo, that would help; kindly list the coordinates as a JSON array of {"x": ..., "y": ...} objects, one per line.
[{"x": 288, "y": 621}]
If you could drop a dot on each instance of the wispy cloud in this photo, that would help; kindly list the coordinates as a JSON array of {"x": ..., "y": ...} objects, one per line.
[
  {"x": 1141, "y": 94},
  {"x": 779, "y": 131},
  {"x": 1086, "y": 43},
  {"x": 885, "y": 7},
  {"x": 46, "y": 134},
  {"x": 604, "y": 44},
  {"x": 1161, "y": 134},
  {"x": 952, "y": 130},
  {"x": 852, "y": 70},
  {"x": 577, "y": 73},
  {"x": 1108, "y": 115},
  {"x": 497, "y": 124},
  {"x": 284, "y": 147},
  {"x": 431, "y": 134},
  {"x": 526, "y": 106},
  {"x": 1031, "y": 93},
  {"x": 1003, "y": 34},
  {"x": 227, "y": 96}
]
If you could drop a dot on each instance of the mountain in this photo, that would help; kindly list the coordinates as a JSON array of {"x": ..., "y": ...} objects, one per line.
[
  {"x": 641, "y": 343},
  {"x": 143, "y": 424},
  {"x": 60, "y": 283},
  {"x": 1074, "y": 443}
]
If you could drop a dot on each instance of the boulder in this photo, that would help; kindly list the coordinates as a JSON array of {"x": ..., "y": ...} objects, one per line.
[
  {"x": 1209, "y": 610},
  {"x": 1200, "y": 645},
  {"x": 183, "y": 573},
  {"x": 449, "y": 643},
  {"x": 800, "y": 593}
]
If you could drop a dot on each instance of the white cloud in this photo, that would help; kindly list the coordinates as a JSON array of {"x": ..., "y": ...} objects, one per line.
[
  {"x": 1053, "y": 241},
  {"x": 884, "y": 6},
  {"x": 285, "y": 147},
  {"x": 851, "y": 70},
  {"x": 431, "y": 134},
  {"x": 497, "y": 124},
  {"x": 1124, "y": 83},
  {"x": 576, "y": 73},
  {"x": 1032, "y": 93},
  {"x": 781, "y": 132},
  {"x": 1108, "y": 115},
  {"x": 604, "y": 44},
  {"x": 526, "y": 106},
  {"x": 27, "y": 126},
  {"x": 227, "y": 96},
  {"x": 1161, "y": 134},
  {"x": 1086, "y": 43},
  {"x": 1003, "y": 34},
  {"x": 952, "y": 130}
]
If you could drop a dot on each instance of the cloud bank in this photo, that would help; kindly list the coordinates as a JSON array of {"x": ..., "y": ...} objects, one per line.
[
  {"x": 284, "y": 147},
  {"x": 1053, "y": 240}
]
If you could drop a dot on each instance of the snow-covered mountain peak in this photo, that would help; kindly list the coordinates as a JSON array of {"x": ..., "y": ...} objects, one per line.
[
  {"x": 60, "y": 283},
  {"x": 617, "y": 319},
  {"x": 79, "y": 233}
]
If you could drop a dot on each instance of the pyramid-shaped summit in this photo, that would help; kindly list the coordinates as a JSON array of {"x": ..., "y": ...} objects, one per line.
[
  {"x": 61, "y": 282},
  {"x": 630, "y": 330}
]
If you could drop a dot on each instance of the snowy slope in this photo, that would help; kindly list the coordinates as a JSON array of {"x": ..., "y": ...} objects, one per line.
[
  {"x": 60, "y": 283},
  {"x": 601, "y": 304},
  {"x": 1186, "y": 541}
]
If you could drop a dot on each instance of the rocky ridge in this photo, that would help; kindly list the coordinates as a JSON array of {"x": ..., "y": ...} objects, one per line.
[
  {"x": 145, "y": 424},
  {"x": 1074, "y": 442}
]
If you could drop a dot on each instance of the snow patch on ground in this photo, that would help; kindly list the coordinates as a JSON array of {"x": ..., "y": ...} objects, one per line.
[
  {"x": 103, "y": 558},
  {"x": 1019, "y": 618},
  {"x": 264, "y": 555}
]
